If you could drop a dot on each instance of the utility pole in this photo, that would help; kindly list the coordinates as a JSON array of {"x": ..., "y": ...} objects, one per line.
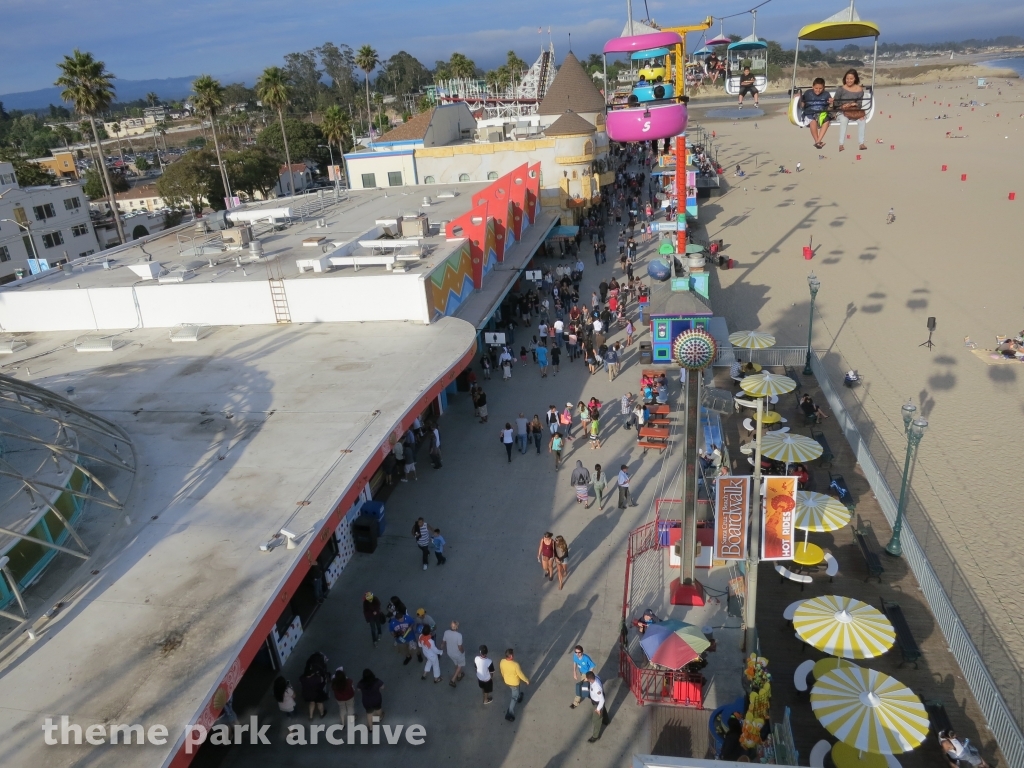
[{"x": 754, "y": 553}]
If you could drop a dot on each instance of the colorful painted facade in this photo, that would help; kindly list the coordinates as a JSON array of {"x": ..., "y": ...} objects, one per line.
[{"x": 451, "y": 283}]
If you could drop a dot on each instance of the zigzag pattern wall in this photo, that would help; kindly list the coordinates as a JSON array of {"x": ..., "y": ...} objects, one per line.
[{"x": 451, "y": 283}]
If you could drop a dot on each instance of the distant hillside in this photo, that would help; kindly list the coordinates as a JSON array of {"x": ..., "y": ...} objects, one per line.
[{"x": 171, "y": 88}]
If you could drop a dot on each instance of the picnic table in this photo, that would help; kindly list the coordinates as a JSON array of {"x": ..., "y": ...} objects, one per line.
[
  {"x": 808, "y": 554},
  {"x": 655, "y": 433},
  {"x": 845, "y": 756},
  {"x": 659, "y": 410}
]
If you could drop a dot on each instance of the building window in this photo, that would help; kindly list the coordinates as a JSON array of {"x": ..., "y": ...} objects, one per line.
[
  {"x": 7, "y": 178},
  {"x": 80, "y": 229},
  {"x": 394, "y": 178},
  {"x": 463, "y": 177},
  {"x": 5, "y": 254},
  {"x": 72, "y": 204},
  {"x": 588, "y": 148},
  {"x": 53, "y": 239},
  {"x": 44, "y": 212},
  {"x": 87, "y": 253},
  {"x": 428, "y": 179},
  {"x": 492, "y": 175},
  {"x": 369, "y": 180},
  {"x": 29, "y": 246}
]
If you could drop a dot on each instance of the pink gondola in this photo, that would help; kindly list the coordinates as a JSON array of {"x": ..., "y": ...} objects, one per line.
[{"x": 648, "y": 121}]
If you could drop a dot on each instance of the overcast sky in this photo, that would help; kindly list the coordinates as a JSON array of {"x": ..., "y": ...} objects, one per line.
[{"x": 143, "y": 39}]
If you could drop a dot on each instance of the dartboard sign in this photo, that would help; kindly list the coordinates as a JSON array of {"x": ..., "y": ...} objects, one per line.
[{"x": 694, "y": 349}]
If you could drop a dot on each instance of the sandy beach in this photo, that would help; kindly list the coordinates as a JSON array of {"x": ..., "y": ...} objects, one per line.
[{"x": 951, "y": 254}]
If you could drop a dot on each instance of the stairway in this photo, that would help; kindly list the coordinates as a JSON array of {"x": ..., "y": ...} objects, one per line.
[{"x": 280, "y": 300}]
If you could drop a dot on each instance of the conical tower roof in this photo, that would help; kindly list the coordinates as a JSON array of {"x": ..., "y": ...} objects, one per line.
[
  {"x": 572, "y": 89},
  {"x": 569, "y": 124}
]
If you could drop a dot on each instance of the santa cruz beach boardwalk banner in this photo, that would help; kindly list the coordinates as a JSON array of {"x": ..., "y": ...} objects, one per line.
[
  {"x": 732, "y": 516},
  {"x": 779, "y": 516}
]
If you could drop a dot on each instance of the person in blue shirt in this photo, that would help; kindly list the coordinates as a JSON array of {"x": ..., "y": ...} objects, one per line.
[
  {"x": 814, "y": 105},
  {"x": 581, "y": 664},
  {"x": 401, "y": 628}
]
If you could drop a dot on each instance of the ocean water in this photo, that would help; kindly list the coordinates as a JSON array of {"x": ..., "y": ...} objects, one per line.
[{"x": 1017, "y": 64}]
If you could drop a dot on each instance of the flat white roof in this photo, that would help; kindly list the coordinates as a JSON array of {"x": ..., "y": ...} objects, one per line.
[{"x": 230, "y": 433}]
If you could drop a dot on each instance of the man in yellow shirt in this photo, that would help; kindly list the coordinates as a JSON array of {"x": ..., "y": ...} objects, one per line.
[{"x": 513, "y": 676}]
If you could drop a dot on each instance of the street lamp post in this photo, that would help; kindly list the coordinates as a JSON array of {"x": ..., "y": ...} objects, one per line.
[
  {"x": 330, "y": 149},
  {"x": 28, "y": 228},
  {"x": 914, "y": 429},
  {"x": 814, "y": 284}
]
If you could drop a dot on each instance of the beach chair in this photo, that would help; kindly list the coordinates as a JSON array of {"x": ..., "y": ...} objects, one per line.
[
  {"x": 969, "y": 344},
  {"x": 818, "y": 753},
  {"x": 801, "y": 673}
]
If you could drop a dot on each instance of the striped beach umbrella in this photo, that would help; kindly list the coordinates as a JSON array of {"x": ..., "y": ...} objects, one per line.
[
  {"x": 820, "y": 513},
  {"x": 766, "y": 384},
  {"x": 843, "y": 627},
  {"x": 869, "y": 711},
  {"x": 752, "y": 339},
  {"x": 789, "y": 448}
]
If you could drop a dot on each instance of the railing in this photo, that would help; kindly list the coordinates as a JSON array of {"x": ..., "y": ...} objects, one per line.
[
  {"x": 928, "y": 559},
  {"x": 773, "y": 356}
]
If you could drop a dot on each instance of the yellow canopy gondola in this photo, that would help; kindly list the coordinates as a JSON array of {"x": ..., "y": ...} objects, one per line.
[{"x": 845, "y": 25}]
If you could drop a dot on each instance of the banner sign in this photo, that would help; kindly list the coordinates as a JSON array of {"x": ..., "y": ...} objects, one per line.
[
  {"x": 732, "y": 514},
  {"x": 779, "y": 516}
]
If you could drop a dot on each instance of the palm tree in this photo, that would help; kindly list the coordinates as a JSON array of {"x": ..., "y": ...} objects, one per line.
[
  {"x": 116, "y": 128},
  {"x": 335, "y": 127},
  {"x": 366, "y": 59},
  {"x": 63, "y": 133},
  {"x": 462, "y": 66},
  {"x": 273, "y": 90},
  {"x": 152, "y": 99},
  {"x": 89, "y": 86},
  {"x": 209, "y": 97}
]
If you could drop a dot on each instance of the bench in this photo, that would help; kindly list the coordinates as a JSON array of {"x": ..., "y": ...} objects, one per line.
[
  {"x": 838, "y": 484},
  {"x": 659, "y": 422},
  {"x": 938, "y": 718},
  {"x": 791, "y": 373},
  {"x": 826, "y": 451},
  {"x": 904, "y": 638},
  {"x": 871, "y": 560},
  {"x": 785, "y": 573},
  {"x": 645, "y": 444}
]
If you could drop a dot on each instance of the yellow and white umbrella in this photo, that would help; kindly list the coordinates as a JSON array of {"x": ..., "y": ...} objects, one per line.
[
  {"x": 789, "y": 448},
  {"x": 766, "y": 384},
  {"x": 820, "y": 513},
  {"x": 869, "y": 711},
  {"x": 752, "y": 339},
  {"x": 843, "y": 627}
]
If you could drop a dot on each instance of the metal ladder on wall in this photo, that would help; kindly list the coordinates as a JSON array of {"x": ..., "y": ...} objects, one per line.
[{"x": 280, "y": 300}]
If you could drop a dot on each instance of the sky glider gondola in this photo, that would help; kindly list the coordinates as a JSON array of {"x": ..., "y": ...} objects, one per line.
[
  {"x": 845, "y": 25},
  {"x": 652, "y": 110}
]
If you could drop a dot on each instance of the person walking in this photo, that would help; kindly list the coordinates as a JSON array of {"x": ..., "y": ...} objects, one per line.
[
  {"x": 514, "y": 678},
  {"x": 314, "y": 683},
  {"x": 556, "y": 358},
  {"x": 625, "y": 404},
  {"x": 370, "y": 686},
  {"x": 435, "y": 443},
  {"x": 561, "y": 560},
  {"x": 581, "y": 664},
  {"x": 402, "y": 629},
  {"x": 284, "y": 695},
  {"x": 600, "y": 483},
  {"x": 542, "y": 361},
  {"x": 421, "y": 532},
  {"x": 600, "y": 712},
  {"x": 580, "y": 480},
  {"x": 451, "y": 642},
  {"x": 536, "y": 431},
  {"x": 373, "y": 615},
  {"x": 485, "y": 364},
  {"x": 613, "y": 360},
  {"x": 565, "y": 420},
  {"x": 437, "y": 541},
  {"x": 595, "y": 432},
  {"x": 623, "y": 483},
  {"x": 431, "y": 653},
  {"x": 545, "y": 553},
  {"x": 552, "y": 419},
  {"x": 480, "y": 401},
  {"x": 522, "y": 432},
  {"x": 507, "y": 436},
  {"x": 484, "y": 674},
  {"x": 344, "y": 694},
  {"x": 555, "y": 447}
]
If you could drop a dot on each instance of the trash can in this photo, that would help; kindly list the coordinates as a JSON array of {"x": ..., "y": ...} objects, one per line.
[
  {"x": 646, "y": 358},
  {"x": 374, "y": 509},
  {"x": 364, "y": 534}
]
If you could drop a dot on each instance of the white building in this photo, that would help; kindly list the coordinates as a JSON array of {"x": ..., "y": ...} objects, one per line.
[
  {"x": 41, "y": 227},
  {"x": 448, "y": 145}
]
